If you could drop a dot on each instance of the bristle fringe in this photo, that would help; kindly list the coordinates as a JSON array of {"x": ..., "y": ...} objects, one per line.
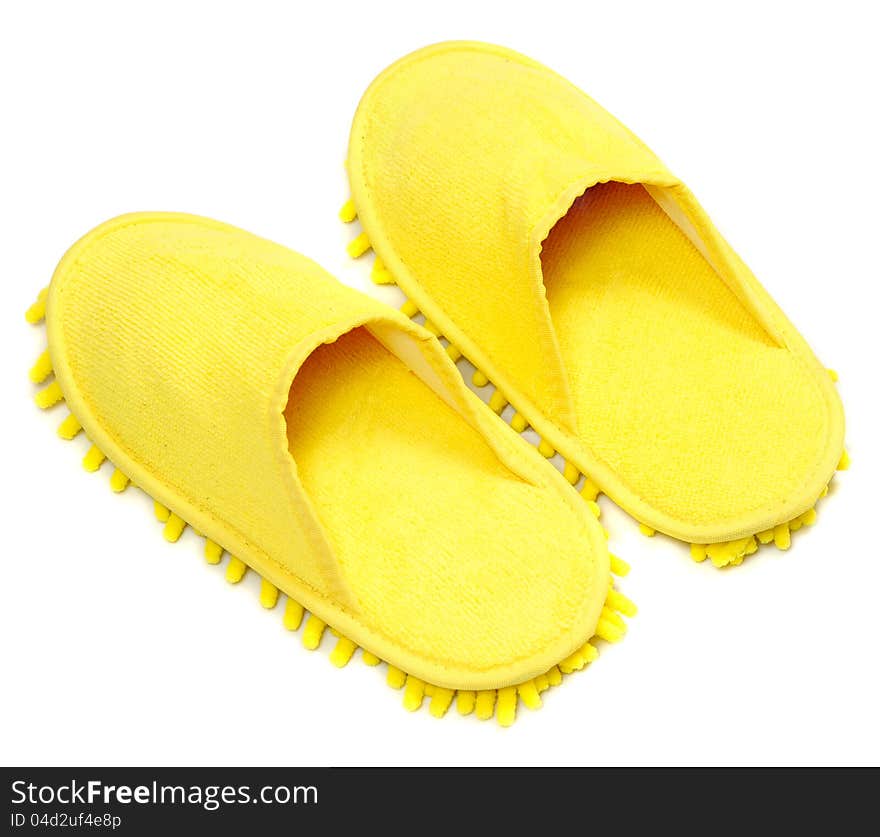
[
  {"x": 500, "y": 703},
  {"x": 733, "y": 553}
]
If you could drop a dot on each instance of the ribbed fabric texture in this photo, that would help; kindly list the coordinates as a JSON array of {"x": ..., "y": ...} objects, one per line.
[
  {"x": 177, "y": 334},
  {"x": 441, "y": 544},
  {"x": 450, "y": 164},
  {"x": 660, "y": 367}
]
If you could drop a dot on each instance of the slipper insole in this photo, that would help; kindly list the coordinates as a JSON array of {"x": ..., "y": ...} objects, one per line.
[
  {"x": 429, "y": 526},
  {"x": 675, "y": 384}
]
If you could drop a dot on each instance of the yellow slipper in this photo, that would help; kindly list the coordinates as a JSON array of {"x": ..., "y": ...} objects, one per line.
[
  {"x": 328, "y": 443},
  {"x": 553, "y": 250}
]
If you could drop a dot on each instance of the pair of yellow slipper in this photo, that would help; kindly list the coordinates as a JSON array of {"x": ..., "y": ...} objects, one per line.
[{"x": 328, "y": 442}]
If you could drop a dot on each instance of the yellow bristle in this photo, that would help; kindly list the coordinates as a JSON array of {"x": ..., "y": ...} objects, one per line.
[
  {"x": 49, "y": 396},
  {"x": 174, "y": 527},
  {"x": 619, "y": 567},
  {"x": 613, "y": 617},
  {"x": 485, "y": 704},
  {"x": 268, "y": 594},
  {"x": 358, "y": 246},
  {"x": 213, "y": 551},
  {"x": 766, "y": 536},
  {"x": 413, "y": 693},
  {"x": 518, "y": 423},
  {"x": 609, "y": 631},
  {"x": 589, "y": 491},
  {"x": 160, "y": 511},
  {"x": 619, "y": 602},
  {"x": 93, "y": 459},
  {"x": 782, "y": 536},
  {"x": 497, "y": 402},
  {"x": 348, "y": 213},
  {"x": 479, "y": 379},
  {"x": 342, "y": 652},
  {"x": 69, "y": 428},
  {"x": 380, "y": 274},
  {"x": 37, "y": 311},
  {"x": 506, "y": 709},
  {"x": 441, "y": 699},
  {"x": 42, "y": 369},
  {"x": 119, "y": 481},
  {"x": 293, "y": 615},
  {"x": 546, "y": 449},
  {"x": 465, "y": 701},
  {"x": 313, "y": 632},
  {"x": 235, "y": 570},
  {"x": 529, "y": 694}
]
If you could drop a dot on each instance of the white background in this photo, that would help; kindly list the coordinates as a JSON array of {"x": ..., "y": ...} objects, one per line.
[{"x": 120, "y": 648}]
